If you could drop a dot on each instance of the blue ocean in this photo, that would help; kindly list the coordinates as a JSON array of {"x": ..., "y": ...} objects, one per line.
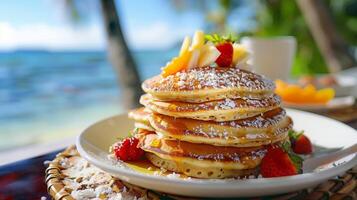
[{"x": 50, "y": 95}]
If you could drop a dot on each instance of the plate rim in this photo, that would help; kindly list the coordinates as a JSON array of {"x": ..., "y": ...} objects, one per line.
[{"x": 222, "y": 183}]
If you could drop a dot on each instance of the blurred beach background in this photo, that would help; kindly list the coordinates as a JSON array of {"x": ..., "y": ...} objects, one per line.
[
  {"x": 47, "y": 95},
  {"x": 55, "y": 77}
]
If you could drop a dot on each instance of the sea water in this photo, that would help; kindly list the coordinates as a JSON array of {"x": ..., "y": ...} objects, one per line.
[{"x": 50, "y": 95}]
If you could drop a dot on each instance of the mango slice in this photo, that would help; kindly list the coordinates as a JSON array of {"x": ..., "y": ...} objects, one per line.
[
  {"x": 177, "y": 64},
  {"x": 292, "y": 93}
]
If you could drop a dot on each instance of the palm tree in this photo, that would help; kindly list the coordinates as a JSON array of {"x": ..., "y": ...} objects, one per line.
[
  {"x": 118, "y": 51},
  {"x": 333, "y": 48},
  {"x": 120, "y": 56},
  {"x": 319, "y": 40}
]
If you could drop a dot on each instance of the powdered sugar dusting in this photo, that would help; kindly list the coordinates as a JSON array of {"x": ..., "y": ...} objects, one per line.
[
  {"x": 224, "y": 104},
  {"x": 210, "y": 78}
]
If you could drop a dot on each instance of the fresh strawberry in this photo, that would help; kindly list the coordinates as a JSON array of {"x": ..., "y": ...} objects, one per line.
[
  {"x": 301, "y": 144},
  {"x": 278, "y": 162},
  {"x": 127, "y": 150},
  {"x": 226, "y": 50}
]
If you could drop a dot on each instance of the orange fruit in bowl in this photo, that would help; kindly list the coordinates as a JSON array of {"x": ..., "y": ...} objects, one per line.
[
  {"x": 292, "y": 93},
  {"x": 324, "y": 95}
]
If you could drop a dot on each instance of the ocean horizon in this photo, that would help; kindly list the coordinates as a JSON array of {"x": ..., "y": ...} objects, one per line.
[{"x": 46, "y": 95}]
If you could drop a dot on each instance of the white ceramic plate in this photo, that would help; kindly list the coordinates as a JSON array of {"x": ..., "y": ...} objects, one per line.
[
  {"x": 347, "y": 85},
  {"x": 93, "y": 145},
  {"x": 335, "y": 104}
]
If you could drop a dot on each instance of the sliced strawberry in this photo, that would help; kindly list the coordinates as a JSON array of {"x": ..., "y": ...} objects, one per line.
[
  {"x": 128, "y": 150},
  {"x": 277, "y": 162},
  {"x": 301, "y": 144},
  {"x": 135, "y": 152},
  {"x": 226, "y": 50}
]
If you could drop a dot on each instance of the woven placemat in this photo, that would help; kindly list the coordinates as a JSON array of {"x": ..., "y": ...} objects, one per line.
[
  {"x": 70, "y": 177},
  {"x": 344, "y": 115}
]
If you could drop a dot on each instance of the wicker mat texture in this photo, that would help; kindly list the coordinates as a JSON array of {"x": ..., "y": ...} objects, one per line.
[{"x": 69, "y": 177}]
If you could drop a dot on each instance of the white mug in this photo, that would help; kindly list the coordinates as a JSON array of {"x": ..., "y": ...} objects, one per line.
[{"x": 271, "y": 57}]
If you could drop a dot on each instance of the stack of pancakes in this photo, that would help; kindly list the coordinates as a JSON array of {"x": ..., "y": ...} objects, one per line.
[{"x": 210, "y": 122}]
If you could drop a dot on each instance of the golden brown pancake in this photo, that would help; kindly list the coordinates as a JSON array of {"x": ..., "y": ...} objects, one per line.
[
  {"x": 141, "y": 118},
  {"x": 210, "y": 122},
  {"x": 212, "y": 160},
  {"x": 140, "y": 114},
  {"x": 218, "y": 110},
  {"x": 270, "y": 127},
  {"x": 188, "y": 168},
  {"x": 208, "y": 83}
]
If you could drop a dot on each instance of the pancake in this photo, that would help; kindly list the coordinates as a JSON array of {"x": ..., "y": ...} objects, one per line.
[
  {"x": 141, "y": 118},
  {"x": 210, "y": 122},
  {"x": 218, "y": 110},
  {"x": 267, "y": 128},
  {"x": 140, "y": 114},
  {"x": 207, "y": 84},
  {"x": 143, "y": 126},
  {"x": 190, "y": 169},
  {"x": 217, "y": 161}
]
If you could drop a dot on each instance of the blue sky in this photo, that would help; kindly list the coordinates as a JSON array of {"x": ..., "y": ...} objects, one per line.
[{"x": 44, "y": 24}]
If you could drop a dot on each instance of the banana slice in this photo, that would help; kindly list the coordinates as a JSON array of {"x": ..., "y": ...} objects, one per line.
[
  {"x": 194, "y": 59},
  {"x": 198, "y": 40},
  {"x": 209, "y": 54},
  {"x": 185, "y": 45}
]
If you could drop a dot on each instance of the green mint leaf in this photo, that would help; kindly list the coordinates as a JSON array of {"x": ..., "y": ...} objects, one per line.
[
  {"x": 215, "y": 38},
  {"x": 286, "y": 146},
  {"x": 297, "y": 161},
  {"x": 294, "y": 134},
  {"x": 135, "y": 131},
  {"x": 209, "y": 38}
]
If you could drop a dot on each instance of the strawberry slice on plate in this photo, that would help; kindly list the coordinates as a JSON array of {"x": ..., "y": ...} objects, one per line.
[
  {"x": 128, "y": 150},
  {"x": 301, "y": 144},
  {"x": 279, "y": 162}
]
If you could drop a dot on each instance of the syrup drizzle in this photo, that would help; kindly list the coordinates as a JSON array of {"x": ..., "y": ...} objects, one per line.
[{"x": 178, "y": 148}]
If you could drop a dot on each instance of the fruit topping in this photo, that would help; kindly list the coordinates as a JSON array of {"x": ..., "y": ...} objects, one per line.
[
  {"x": 300, "y": 143},
  {"x": 194, "y": 59},
  {"x": 185, "y": 46},
  {"x": 240, "y": 54},
  {"x": 177, "y": 64},
  {"x": 128, "y": 150},
  {"x": 198, "y": 40},
  {"x": 206, "y": 50},
  {"x": 292, "y": 93},
  {"x": 209, "y": 54},
  {"x": 280, "y": 161},
  {"x": 225, "y": 59}
]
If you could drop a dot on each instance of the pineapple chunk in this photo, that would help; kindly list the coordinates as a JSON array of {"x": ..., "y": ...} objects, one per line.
[
  {"x": 198, "y": 40},
  {"x": 239, "y": 53},
  {"x": 155, "y": 143},
  {"x": 194, "y": 59},
  {"x": 185, "y": 45},
  {"x": 209, "y": 54}
]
